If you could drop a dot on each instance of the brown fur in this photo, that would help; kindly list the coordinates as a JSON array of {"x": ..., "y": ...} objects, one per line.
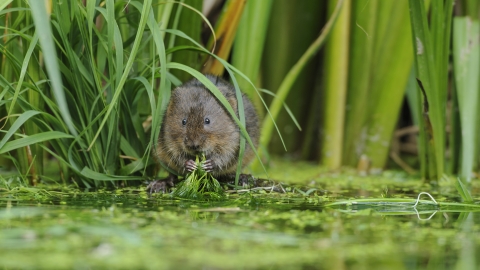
[{"x": 219, "y": 140}]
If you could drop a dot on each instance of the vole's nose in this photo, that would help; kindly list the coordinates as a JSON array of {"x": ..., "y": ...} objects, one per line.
[{"x": 193, "y": 145}]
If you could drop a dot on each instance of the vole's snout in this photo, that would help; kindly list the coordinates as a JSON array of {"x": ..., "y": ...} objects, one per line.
[{"x": 193, "y": 145}]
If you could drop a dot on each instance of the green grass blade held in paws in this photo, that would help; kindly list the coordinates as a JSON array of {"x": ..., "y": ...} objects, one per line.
[{"x": 199, "y": 185}]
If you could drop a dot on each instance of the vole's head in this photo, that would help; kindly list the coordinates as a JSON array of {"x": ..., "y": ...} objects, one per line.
[{"x": 198, "y": 123}]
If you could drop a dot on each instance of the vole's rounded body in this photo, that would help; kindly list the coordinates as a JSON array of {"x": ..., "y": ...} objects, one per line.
[{"x": 196, "y": 123}]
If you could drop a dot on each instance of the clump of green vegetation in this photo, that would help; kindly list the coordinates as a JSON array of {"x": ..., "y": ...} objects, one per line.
[{"x": 199, "y": 185}]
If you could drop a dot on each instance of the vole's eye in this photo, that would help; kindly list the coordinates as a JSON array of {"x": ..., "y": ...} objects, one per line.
[
  {"x": 184, "y": 122},
  {"x": 207, "y": 121}
]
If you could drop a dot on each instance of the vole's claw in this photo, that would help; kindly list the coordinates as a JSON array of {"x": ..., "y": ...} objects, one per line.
[
  {"x": 190, "y": 165},
  {"x": 208, "y": 165}
]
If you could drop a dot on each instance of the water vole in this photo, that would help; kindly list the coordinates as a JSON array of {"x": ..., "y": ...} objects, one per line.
[{"x": 195, "y": 122}]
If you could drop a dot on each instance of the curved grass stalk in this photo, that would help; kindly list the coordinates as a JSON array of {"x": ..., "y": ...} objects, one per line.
[{"x": 287, "y": 83}]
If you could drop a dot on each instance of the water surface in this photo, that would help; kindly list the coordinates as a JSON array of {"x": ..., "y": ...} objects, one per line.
[{"x": 57, "y": 227}]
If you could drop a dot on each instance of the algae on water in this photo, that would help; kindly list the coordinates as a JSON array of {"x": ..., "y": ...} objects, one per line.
[{"x": 199, "y": 185}]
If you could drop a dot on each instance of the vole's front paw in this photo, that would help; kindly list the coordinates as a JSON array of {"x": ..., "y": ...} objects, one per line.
[
  {"x": 161, "y": 185},
  {"x": 190, "y": 165},
  {"x": 208, "y": 165}
]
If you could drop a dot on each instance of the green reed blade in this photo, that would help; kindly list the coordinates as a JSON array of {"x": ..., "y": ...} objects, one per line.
[
  {"x": 42, "y": 24},
  {"x": 389, "y": 79},
  {"x": 247, "y": 54},
  {"x": 464, "y": 191},
  {"x": 430, "y": 57},
  {"x": 471, "y": 8},
  {"x": 16, "y": 125},
  {"x": 285, "y": 106},
  {"x": 90, "y": 174},
  {"x": 5, "y": 3},
  {"x": 23, "y": 71},
  {"x": 362, "y": 25},
  {"x": 466, "y": 56},
  {"x": 33, "y": 139},
  {"x": 336, "y": 62}
]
